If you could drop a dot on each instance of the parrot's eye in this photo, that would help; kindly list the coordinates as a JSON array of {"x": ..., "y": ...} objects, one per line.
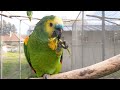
[{"x": 51, "y": 24}]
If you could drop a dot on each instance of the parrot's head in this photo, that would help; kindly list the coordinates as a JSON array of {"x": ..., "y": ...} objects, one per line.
[{"x": 53, "y": 26}]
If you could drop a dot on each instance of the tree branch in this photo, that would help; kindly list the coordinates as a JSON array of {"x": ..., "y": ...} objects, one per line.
[{"x": 94, "y": 71}]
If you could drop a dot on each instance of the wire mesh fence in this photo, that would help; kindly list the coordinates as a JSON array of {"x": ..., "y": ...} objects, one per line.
[
  {"x": 95, "y": 38},
  {"x": 92, "y": 37}
]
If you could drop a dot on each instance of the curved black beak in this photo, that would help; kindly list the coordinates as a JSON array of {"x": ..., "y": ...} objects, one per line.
[{"x": 57, "y": 33}]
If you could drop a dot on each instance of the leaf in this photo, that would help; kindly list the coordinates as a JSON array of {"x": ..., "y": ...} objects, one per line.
[{"x": 29, "y": 14}]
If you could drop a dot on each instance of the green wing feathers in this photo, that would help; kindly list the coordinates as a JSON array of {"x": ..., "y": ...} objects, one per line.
[{"x": 27, "y": 53}]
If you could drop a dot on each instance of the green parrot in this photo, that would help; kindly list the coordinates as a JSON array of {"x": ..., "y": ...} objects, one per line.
[
  {"x": 29, "y": 14},
  {"x": 44, "y": 47}
]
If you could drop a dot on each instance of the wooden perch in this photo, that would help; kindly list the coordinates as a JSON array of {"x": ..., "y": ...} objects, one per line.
[{"x": 94, "y": 71}]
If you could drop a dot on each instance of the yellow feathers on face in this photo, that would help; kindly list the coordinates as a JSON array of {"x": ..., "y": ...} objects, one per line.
[
  {"x": 58, "y": 20},
  {"x": 50, "y": 25}
]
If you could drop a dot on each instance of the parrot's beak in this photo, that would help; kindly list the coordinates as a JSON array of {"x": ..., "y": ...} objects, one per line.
[{"x": 57, "y": 33}]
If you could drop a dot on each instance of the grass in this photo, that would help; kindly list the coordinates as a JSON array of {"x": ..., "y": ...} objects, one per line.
[{"x": 11, "y": 66}]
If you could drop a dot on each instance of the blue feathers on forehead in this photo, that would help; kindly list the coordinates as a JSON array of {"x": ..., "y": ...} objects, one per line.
[{"x": 59, "y": 26}]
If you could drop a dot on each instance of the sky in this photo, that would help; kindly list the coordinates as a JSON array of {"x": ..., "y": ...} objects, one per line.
[{"x": 39, "y": 14}]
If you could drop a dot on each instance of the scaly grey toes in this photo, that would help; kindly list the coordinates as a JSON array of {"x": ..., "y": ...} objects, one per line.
[
  {"x": 45, "y": 76},
  {"x": 65, "y": 45}
]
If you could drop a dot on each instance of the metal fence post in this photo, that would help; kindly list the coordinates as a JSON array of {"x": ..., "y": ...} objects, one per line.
[
  {"x": 114, "y": 42},
  {"x": 82, "y": 36},
  {"x": 72, "y": 49},
  {"x": 1, "y": 50},
  {"x": 20, "y": 47},
  {"x": 103, "y": 35}
]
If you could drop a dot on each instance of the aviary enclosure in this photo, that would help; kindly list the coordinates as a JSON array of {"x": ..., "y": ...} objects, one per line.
[{"x": 92, "y": 38}]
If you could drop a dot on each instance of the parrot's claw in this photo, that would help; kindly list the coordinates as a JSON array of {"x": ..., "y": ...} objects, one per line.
[
  {"x": 63, "y": 44},
  {"x": 45, "y": 76}
]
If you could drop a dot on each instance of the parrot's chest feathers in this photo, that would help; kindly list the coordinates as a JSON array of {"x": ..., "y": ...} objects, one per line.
[{"x": 52, "y": 43}]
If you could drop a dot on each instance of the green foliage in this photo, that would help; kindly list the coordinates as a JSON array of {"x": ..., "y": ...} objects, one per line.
[{"x": 29, "y": 14}]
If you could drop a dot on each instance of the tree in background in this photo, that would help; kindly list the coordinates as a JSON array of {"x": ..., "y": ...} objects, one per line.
[{"x": 7, "y": 27}]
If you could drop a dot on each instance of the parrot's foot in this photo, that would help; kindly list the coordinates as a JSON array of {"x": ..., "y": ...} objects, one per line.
[
  {"x": 45, "y": 76},
  {"x": 63, "y": 44}
]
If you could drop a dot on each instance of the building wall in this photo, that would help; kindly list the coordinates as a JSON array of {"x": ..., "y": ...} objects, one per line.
[{"x": 87, "y": 49}]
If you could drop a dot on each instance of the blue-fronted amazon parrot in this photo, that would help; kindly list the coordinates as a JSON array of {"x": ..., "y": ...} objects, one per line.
[{"x": 44, "y": 47}]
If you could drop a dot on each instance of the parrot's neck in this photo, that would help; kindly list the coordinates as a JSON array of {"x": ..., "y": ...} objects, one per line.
[{"x": 40, "y": 38}]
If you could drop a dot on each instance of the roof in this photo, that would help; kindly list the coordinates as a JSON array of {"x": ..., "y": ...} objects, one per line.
[
  {"x": 96, "y": 27},
  {"x": 78, "y": 26},
  {"x": 13, "y": 37}
]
